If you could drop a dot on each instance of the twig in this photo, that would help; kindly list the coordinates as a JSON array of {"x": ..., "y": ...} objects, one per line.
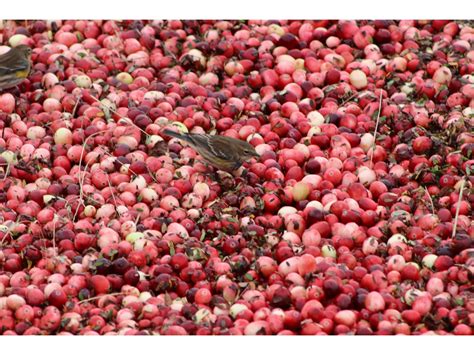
[
  {"x": 128, "y": 120},
  {"x": 43, "y": 247},
  {"x": 7, "y": 171},
  {"x": 54, "y": 236},
  {"x": 5, "y": 236},
  {"x": 122, "y": 117},
  {"x": 151, "y": 175},
  {"x": 81, "y": 182},
  {"x": 376, "y": 128},
  {"x": 171, "y": 54},
  {"x": 100, "y": 296},
  {"x": 66, "y": 202},
  {"x": 118, "y": 161},
  {"x": 350, "y": 98},
  {"x": 81, "y": 193},
  {"x": 431, "y": 200},
  {"x": 79, "y": 97},
  {"x": 111, "y": 191},
  {"x": 458, "y": 207}
]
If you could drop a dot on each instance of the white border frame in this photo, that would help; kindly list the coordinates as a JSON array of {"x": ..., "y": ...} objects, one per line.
[{"x": 241, "y": 9}]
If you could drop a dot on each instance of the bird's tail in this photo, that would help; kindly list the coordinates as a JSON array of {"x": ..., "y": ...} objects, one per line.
[
  {"x": 171, "y": 133},
  {"x": 192, "y": 139}
]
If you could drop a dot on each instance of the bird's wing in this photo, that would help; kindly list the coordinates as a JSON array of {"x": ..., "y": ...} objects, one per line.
[
  {"x": 222, "y": 147},
  {"x": 17, "y": 67},
  {"x": 6, "y": 70},
  {"x": 216, "y": 144}
]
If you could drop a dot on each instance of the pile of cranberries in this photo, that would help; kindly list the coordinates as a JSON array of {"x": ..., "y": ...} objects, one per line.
[{"x": 355, "y": 219}]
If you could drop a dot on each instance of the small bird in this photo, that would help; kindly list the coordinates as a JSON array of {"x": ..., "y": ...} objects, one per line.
[
  {"x": 15, "y": 66},
  {"x": 224, "y": 153}
]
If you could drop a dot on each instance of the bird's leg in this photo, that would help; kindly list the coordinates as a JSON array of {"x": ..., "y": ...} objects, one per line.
[
  {"x": 14, "y": 90},
  {"x": 215, "y": 176},
  {"x": 226, "y": 180},
  {"x": 210, "y": 171},
  {"x": 245, "y": 176},
  {"x": 241, "y": 174}
]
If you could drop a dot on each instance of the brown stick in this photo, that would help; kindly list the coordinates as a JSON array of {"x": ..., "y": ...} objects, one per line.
[
  {"x": 458, "y": 207},
  {"x": 99, "y": 297},
  {"x": 376, "y": 128}
]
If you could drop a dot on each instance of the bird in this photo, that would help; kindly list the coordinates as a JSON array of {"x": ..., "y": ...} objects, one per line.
[
  {"x": 224, "y": 153},
  {"x": 15, "y": 66}
]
